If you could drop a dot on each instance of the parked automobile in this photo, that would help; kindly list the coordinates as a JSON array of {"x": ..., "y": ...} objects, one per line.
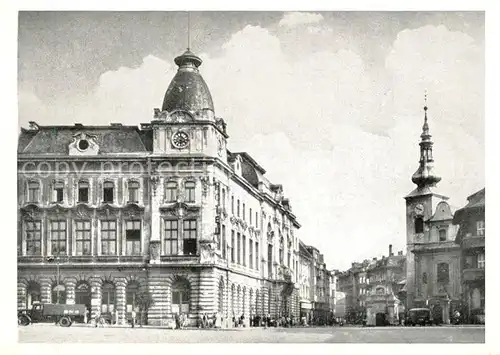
[
  {"x": 420, "y": 316},
  {"x": 62, "y": 314}
]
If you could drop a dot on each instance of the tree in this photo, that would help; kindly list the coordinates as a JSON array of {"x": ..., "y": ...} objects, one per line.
[{"x": 144, "y": 301}]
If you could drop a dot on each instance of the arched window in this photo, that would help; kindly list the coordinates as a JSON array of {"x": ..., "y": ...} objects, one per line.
[
  {"x": 419, "y": 225},
  {"x": 59, "y": 294},
  {"x": 108, "y": 298},
  {"x": 33, "y": 294},
  {"x": 33, "y": 191},
  {"x": 83, "y": 191},
  {"x": 133, "y": 191},
  {"x": 189, "y": 189},
  {"x": 171, "y": 191},
  {"x": 181, "y": 291},
  {"x": 131, "y": 295},
  {"x": 82, "y": 294},
  {"x": 442, "y": 235},
  {"x": 221, "y": 297}
]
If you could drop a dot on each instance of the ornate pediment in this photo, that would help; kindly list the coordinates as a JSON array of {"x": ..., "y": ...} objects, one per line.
[
  {"x": 58, "y": 209},
  {"x": 179, "y": 210},
  {"x": 83, "y": 144},
  {"x": 177, "y": 116},
  {"x": 133, "y": 210},
  {"x": 107, "y": 211},
  {"x": 30, "y": 212},
  {"x": 82, "y": 211}
]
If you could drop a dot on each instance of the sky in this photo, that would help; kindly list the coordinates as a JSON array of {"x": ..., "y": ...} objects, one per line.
[{"x": 329, "y": 103}]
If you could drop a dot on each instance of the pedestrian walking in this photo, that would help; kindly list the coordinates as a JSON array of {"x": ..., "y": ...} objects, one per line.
[{"x": 134, "y": 315}]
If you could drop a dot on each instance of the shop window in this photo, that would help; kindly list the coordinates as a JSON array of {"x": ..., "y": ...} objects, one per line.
[
  {"x": 131, "y": 296},
  {"x": 33, "y": 294},
  {"x": 108, "y": 237},
  {"x": 443, "y": 273},
  {"x": 33, "y": 191},
  {"x": 133, "y": 237},
  {"x": 82, "y": 294},
  {"x": 189, "y": 237},
  {"x": 133, "y": 191},
  {"x": 180, "y": 296},
  {"x": 33, "y": 238},
  {"x": 59, "y": 294},
  {"x": 108, "y": 192},
  {"x": 108, "y": 298},
  {"x": 83, "y": 191}
]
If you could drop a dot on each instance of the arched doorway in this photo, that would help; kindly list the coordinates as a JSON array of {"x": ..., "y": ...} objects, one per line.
[
  {"x": 181, "y": 292},
  {"x": 108, "y": 300},
  {"x": 82, "y": 294},
  {"x": 59, "y": 294},
  {"x": 33, "y": 294}
]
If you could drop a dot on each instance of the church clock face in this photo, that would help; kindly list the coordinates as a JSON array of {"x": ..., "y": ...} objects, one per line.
[
  {"x": 180, "y": 139},
  {"x": 419, "y": 210}
]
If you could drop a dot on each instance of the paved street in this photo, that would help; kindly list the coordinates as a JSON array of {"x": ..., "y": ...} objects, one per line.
[{"x": 53, "y": 334}]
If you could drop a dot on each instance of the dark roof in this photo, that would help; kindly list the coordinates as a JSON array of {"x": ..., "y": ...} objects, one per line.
[
  {"x": 111, "y": 139},
  {"x": 252, "y": 162},
  {"x": 476, "y": 204}
]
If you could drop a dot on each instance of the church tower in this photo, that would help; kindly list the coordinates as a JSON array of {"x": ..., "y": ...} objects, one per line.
[{"x": 420, "y": 206}]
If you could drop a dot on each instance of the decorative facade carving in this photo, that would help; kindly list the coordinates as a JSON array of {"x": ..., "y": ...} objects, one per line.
[
  {"x": 205, "y": 185},
  {"x": 207, "y": 251},
  {"x": 84, "y": 144}
]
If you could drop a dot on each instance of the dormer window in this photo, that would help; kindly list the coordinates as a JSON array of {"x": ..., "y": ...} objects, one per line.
[
  {"x": 83, "y": 191},
  {"x": 33, "y": 191},
  {"x": 108, "y": 192},
  {"x": 442, "y": 235},
  {"x": 58, "y": 192},
  {"x": 133, "y": 191}
]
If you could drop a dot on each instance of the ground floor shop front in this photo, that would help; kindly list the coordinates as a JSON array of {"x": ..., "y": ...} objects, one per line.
[{"x": 193, "y": 291}]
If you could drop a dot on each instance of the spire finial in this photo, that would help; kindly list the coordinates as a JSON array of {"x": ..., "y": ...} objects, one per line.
[
  {"x": 189, "y": 31},
  {"x": 425, "y": 104}
]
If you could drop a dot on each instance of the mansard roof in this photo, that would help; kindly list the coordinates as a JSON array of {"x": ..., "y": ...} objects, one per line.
[{"x": 114, "y": 138}]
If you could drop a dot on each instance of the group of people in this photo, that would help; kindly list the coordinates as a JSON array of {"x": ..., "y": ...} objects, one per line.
[{"x": 180, "y": 321}]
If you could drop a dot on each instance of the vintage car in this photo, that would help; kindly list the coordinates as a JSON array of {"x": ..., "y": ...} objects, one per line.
[{"x": 420, "y": 316}]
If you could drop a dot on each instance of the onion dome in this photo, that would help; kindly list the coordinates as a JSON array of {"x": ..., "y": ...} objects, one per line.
[
  {"x": 188, "y": 91},
  {"x": 425, "y": 176}
]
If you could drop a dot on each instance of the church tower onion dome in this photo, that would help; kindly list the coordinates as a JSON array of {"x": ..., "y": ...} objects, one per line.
[
  {"x": 188, "y": 91},
  {"x": 425, "y": 175}
]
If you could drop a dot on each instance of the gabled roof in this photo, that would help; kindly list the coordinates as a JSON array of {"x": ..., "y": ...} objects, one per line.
[
  {"x": 443, "y": 212},
  {"x": 111, "y": 139},
  {"x": 476, "y": 204}
]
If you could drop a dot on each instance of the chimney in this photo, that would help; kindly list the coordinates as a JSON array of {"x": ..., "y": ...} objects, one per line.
[
  {"x": 400, "y": 253},
  {"x": 390, "y": 250}
]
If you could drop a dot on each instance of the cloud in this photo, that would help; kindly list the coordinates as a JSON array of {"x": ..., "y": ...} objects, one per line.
[
  {"x": 293, "y": 19},
  {"x": 340, "y": 135}
]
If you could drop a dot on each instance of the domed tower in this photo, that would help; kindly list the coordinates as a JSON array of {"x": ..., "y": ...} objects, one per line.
[
  {"x": 186, "y": 123},
  {"x": 420, "y": 206}
]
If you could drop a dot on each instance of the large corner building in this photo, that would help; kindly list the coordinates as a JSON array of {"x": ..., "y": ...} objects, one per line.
[{"x": 163, "y": 207}]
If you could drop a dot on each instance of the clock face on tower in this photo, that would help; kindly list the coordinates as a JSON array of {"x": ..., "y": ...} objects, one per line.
[
  {"x": 180, "y": 139},
  {"x": 419, "y": 210}
]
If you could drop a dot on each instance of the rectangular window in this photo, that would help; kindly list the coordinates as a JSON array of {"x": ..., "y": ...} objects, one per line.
[
  {"x": 270, "y": 260},
  {"x": 250, "y": 216},
  {"x": 83, "y": 237},
  {"x": 257, "y": 219},
  {"x": 442, "y": 235},
  {"x": 171, "y": 191},
  {"x": 443, "y": 273},
  {"x": 189, "y": 191},
  {"x": 58, "y": 237},
  {"x": 281, "y": 256},
  {"x": 33, "y": 192},
  {"x": 257, "y": 261},
  {"x": 232, "y": 205},
  {"x": 224, "y": 198},
  {"x": 288, "y": 260},
  {"x": 108, "y": 192},
  {"x": 244, "y": 211},
  {"x": 83, "y": 191},
  {"x": 480, "y": 228},
  {"x": 238, "y": 208},
  {"x": 171, "y": 237},
  {"x": 244, "y": 250},
  {"x": 224, "y": 242},
  {"x": 189, "y": 236},
  {"x": 33, "y": 238},
  {"x": 133, "y": 191},
  {"x": 58, "y": 192},
  {"x": 108, "y": 237},
  {"x": 232, "y": 246},
  {"x": 480, "y": 261},
  {"x": 133, "y": 237},
  {"x": 238, "y": 248},
  {"x": 250, "y": 253}
]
